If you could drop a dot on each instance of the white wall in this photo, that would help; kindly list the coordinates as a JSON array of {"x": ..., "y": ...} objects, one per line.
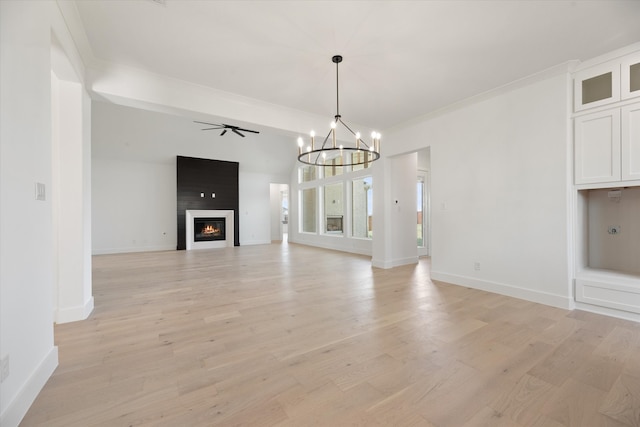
[
  {"x": 71, "y": 197},
  {"x": 255, "y": 208},
  {"x": 134, "y": 176},
  {"x": 394, "y": 211},
  {"x": 500, "y": 190},
  {"x": 403, "y": 209},
  {"x": 134, "y": 206},
  {"x": 27, "y": 244},
  {"x": 620, "y": 252}
]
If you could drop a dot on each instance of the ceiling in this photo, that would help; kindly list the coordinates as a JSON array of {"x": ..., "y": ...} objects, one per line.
[{"x": 402, "y": 59}]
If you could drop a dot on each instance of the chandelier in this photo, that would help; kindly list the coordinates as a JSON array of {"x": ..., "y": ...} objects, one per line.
[{"x": 329, "y": 152}]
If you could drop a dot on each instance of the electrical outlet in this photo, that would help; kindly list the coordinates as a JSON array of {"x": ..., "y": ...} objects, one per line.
[
  {"x": 4, "y": 368},
  {"x": 476, "y": 266},
  {"x": 614, "y": 229}
]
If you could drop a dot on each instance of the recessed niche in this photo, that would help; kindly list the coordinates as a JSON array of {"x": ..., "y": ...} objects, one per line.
[{"x": 609, "y": 234}]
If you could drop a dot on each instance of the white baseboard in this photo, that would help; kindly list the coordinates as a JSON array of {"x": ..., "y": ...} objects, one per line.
[
  {"x": 27, "y": 394},
  {"x": 107, "y": 251},
  {"x": 73, "y": 314},
  {"x": 508, "y": 290},
  {"x": 394, "y": 262},
  {"x": 328, "y": 243},
  {"x": 255, "y": 242}
]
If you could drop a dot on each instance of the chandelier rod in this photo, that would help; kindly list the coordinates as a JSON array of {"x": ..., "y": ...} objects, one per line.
[{"x": 337, "y": 59}]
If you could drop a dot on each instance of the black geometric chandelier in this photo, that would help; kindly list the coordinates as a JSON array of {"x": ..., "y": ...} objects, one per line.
[{"x": 329, "y": 152}]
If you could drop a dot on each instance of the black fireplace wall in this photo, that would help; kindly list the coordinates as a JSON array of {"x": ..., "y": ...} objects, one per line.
[{"x": 197, "y": 177}]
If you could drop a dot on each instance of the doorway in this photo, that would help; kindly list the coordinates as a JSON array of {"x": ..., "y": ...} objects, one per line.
[
  {"x": 423, "y": 205},
  {"x": 279, "y": 200}
]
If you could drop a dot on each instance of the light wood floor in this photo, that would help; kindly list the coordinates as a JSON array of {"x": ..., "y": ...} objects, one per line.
[{"x": 290, "y": 335}]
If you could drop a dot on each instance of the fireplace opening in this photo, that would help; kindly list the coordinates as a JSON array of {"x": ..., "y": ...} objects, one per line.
[{"x": 208, "y": 229}]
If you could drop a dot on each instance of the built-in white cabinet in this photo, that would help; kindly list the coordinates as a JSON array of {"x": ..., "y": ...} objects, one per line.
[
  {"x": 630, "y": 76},
  {"x": 597, "y": 150},
  {"x": 630, "y": 142},
  {"x": 607, "y": 83},
  {"x": 607, "y": 140},
  {"x": 597, "y": 86},
  {"x": 606, "y": 171},
  {"x": 607, "y": 146}
]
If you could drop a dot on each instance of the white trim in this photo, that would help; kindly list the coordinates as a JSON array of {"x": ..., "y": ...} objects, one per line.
[
  {"x": 394, "y": 262},
  {"x": 74, "y": 314},
  {"x": 504, "y": 289},
  {"x": 131, "y": 249},
  {"x": 190, "y": 215},
  {"x": 256, "y": 242},
  {"x": 24, "y": 398},
  {"x": 634, "y": 317},
  {"x": 320, "y": 243},
  {"x": 609, "y": 56}
]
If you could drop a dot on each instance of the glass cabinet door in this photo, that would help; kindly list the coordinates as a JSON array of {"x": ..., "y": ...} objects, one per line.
[
  {"x": 597, "y": 86},
  {"x": 630, "y": 76}
]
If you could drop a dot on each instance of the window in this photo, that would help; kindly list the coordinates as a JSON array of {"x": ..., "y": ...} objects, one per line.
[
  {"x": 307, "y": 173},
  {"x": 333, "y": 167},
  {"x": 333, "y": 208},
  {"x": 360, "y": 156},
  {"x": 308, "y": 208},
  {"x": 334, "y": 202},
  {"x": 362, "y": 208}
]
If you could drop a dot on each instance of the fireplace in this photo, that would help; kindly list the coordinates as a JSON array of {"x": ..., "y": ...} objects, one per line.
[
  {"x": 334, "y": 224},
  {"x": 208, "y": 229},
  {"x": 224, "y": 238}
]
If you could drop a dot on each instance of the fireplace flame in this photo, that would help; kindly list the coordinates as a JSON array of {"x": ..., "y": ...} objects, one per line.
[{"x": 210, "y": 229}]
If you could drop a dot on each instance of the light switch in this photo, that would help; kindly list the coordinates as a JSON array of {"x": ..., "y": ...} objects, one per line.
[
  {"x": 201, "y": 194},
  {"x": 213, "y": 195},
  {"x": 40, "y": 191}
]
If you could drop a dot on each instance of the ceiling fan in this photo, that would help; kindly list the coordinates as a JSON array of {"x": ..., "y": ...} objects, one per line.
[{"x": 225, "y": 127}]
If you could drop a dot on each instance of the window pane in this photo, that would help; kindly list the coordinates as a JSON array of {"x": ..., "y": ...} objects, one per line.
[
  {"x": 333, "y": 208},
  {"x": 309, "y": 208},
  {"x": 358, "y": 157},
  {"x": 333, "y": 167},
  {"x": 307, "y": 173},
  {"x": 362, "y": 206}
]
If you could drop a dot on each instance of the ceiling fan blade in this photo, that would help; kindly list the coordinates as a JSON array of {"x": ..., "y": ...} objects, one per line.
[
  {"x": 206, "y": 123},
  {"x": 225, "y": 127}
]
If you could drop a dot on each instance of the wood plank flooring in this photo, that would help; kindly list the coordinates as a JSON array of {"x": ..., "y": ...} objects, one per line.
[{"x": 289, "y": 335}]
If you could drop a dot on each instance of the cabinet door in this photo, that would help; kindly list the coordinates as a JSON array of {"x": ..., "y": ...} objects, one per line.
[
  {"x": 596, "y": 86},
  {"x": 597, "y": 147},
  {"x": 630, "y": 76},
  {"x": 631, "y": 142}
]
